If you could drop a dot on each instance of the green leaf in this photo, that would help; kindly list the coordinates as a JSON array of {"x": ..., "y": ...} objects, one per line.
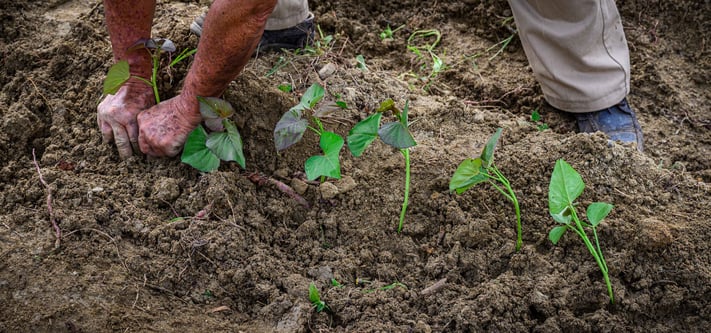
[
  {"x": 556, "y": 233},
  {"x": 566, "y": 185},
  {"x": 290, "y": 129},
  {"x": 227, "y": 146},
  {"x": 535, "y": 116},
  {"x": 312, "y": 95},
  {"x": 328, "y": 164},
  {"x": 314, "y": 296},
  {"x": 597, "y": 211},
  {"x": 487, "y": 155},
  {"x": 468, "y": 174},
  {"x": 118, "y": 75},
  {"x": 563, "y": 217},
  {"x": 196, "y": 153},
  {"x": 361, "y": 62},
  {"x": 396, "y": 135},
  {"x": 363, "y": 134},
  {"x": 213, "y": 110},
  {"x": 285, "y": 88}
]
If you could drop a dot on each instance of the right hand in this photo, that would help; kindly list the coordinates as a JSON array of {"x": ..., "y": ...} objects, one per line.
[{"x": 117, "y": 114}]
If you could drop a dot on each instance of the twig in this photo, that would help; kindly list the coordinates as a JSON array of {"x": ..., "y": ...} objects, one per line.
[
  {"x": 263, "y": 180},
  {"x": 434, "y": 288},
  {"x": 57, "y": 231}
]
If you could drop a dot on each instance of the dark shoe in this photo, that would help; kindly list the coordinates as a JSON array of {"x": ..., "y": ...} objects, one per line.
[
  {"x": 296, "y": 37},
  {"x": 619, "y": 122}
]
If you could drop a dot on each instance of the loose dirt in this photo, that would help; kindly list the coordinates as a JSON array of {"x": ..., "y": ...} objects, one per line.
[{"x": 151, "y": 245}]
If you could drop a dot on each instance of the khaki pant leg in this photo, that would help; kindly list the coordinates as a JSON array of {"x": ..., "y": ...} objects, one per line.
[
  {"x": 577, "y": 50},
  {"x": 287, "y": 14}
]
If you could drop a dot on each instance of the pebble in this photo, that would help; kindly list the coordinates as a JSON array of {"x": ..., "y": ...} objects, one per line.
[
  {"x": 326, "y": 71},
  {"x": 328, "y": 190}
]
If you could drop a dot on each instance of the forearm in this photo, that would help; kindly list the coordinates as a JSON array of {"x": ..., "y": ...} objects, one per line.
[{"x": 127, "y": 22}]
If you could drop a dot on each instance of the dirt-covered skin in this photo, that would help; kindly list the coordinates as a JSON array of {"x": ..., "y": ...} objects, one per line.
[{"x": 153, "y": 245}]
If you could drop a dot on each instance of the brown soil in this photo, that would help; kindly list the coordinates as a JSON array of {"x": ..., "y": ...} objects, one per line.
[{"x": 155, "y": 246}]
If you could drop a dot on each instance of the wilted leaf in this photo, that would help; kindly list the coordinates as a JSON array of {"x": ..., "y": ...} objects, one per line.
[
  {"x": 396, "y": 135},
  {"x": 290, "y": 129}
]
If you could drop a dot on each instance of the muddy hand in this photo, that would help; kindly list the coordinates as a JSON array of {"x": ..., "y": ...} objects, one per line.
[
  {"x": 164, "y": 127},
  {"x": 116, "y": 116}
]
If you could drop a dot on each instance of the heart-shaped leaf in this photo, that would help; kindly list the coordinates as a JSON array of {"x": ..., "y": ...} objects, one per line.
[
  {"x": 597, "y": 211},
  {"x": 227, "y": 145},
  {"x": 468, "y": 174},
  {"x": 566, "y": 185},
  {"x": 363, "y": 134},
  {"x": 396, "y": 135},
  {"x": 328, "y": 164},
  {"x": 290, "y": 129},
  {"x": 196, "y": 153},
  {"x": 118, "y": 75}
]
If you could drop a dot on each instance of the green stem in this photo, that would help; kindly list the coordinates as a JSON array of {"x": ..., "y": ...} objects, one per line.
[
  {"x": 154, "y": 75},
  {"x": 511, "y": 195},
  {"x": 598, "y": 258},
  {"x": 406, "y": 154}
]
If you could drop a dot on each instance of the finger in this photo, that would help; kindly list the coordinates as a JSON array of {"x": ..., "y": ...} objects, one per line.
[
  {"x": 132, "y": 130},
  {"x": 122, "y": 142},
  {"x": 107, "y": 133}
]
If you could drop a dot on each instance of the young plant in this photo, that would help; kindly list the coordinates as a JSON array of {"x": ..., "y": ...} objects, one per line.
[
  {"x": 396, "y": 134},
  {"x": 473, "y": 171},
  {"x": 315, "y": 298},
  {"x": 566, "y": 185},
  {"x": 537, "y": 119},
  {"x": 437, "y": 62},
  {"x": 292, "y": 125},
  {"x": 388, "y": 32},
  {"x": 119, "y": 72},
  {"x": 203, "y": 150}
]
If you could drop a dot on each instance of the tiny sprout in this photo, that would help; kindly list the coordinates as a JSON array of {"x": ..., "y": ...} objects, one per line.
[{"x": 315, "y": 299}]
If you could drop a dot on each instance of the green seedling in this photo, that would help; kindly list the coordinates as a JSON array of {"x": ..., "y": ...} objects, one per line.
[
  {"x": 565, "y": 187},
  {"x": 418, "y": 49},
  {"x": 361, "y": 63},
  {"x": 321, "y": 45},
  {"x": 287, "y": 88},
  {"x": 119, "y": 72},
  {"x": 396, "y": 134},
  {"x": 292, "y": 125},
  {"x": 335, "y": 283},
  {"x": 203, "y": 150},
  {"x": 536, "y": 119},
  {"x": 388, "y": 32},
  {"x": 473, "y": 171},
  {"x": 315, "y": 299}
]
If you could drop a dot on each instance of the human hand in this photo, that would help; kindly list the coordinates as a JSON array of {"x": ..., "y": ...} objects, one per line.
[
  {"x": 116, "y": 116},
  {"x": 164, "y": 128}
]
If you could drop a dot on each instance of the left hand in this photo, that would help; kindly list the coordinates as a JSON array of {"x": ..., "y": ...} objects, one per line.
[{"x": 164, "y": 128}]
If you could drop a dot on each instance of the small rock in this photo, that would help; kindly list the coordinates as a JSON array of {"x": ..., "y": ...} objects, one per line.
[
  {"x": 166, "y": 189},
  {"x": 328, "y": 190},
  {"x": 345, "y": 184},
  {"x": 326, "y": 71},
  {"x": 299, "y": 186}
]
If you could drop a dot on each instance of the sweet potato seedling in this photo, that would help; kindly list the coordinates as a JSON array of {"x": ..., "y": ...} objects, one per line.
[
  {"x": 315, "y": 299},
  {"x": 396, "y": 134},
  {"x": 418, "y": 49},
  {"x": 566, "y": 185},
  {"x": 292, "y": 125},
  {"x": 473, "y": 171},
  {"x": 119, "y": 72},
  {"x": 203, "y": 150}
]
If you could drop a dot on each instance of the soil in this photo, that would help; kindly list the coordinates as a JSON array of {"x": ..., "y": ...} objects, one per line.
[{"x": 152, "y": 245}]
